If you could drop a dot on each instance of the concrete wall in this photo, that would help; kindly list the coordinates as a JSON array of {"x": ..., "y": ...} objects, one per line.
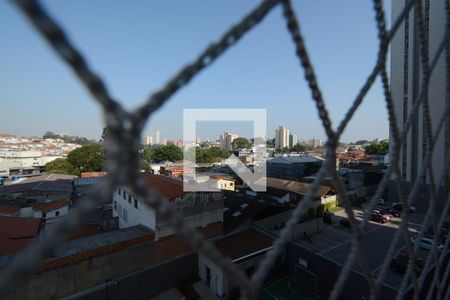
[
  {"x": 70, "y": 275},
  {"x": 144, "y": 284},
  {"x": 218, "y": 280},
  {"x": 317, "y": 272}
]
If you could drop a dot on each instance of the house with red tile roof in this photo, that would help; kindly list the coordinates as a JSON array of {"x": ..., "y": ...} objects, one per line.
[
  {"x": 49, "y": 211},
  {"x": 9, "y": 210},
  {"x": 199, "y": 209},
  {"x": 17, "y": 233}
]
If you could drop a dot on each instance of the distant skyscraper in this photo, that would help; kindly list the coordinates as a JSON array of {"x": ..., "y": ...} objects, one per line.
[
  {"x": 157, "y": 137},
  {"x": 227, "y": 139},
  {"x": 316, "y": 143},
  {"x": 293, "y": 140},
  {"x": 164, "y": 142},
  {"x": 281, "y": 137},
  {"x": 149, "y": 140}
]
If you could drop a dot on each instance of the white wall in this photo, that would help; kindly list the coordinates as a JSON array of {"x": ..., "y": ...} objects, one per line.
[
  {"x": 219, "y": 281},
  {"x": 53, "y": 213},
  {"x": 141, "y": 215}
]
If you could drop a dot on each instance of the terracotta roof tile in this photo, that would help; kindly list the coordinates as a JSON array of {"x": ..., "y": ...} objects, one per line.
[
  {"x": 9, "y": 209},
  {"x": 49, "y": 206},
  {"x": 17, "y": 233},
  {"x": 243, "y": 243},
  {"x": 93, "y": 174},
  {"x": 168, "y": 187}
]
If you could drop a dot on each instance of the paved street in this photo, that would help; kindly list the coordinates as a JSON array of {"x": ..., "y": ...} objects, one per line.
[{"x": 334, "y": 243}]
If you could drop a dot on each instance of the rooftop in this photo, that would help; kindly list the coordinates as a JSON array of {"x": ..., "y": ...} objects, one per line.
[
  {"x": 242, "y": 244},
  {"x": 17, "y": 233},
  {"x": 101, "y": 240},
  {"x": 169, "y": 187},
  {"x": 246, "y": 206},
  {"x": 9, "y": 209},
  {"x": 294, "y": 159},
  {"x": 294, "y": 186},
  {"x": 49, "y": 206},
  {"x": 45, "y": 183}
]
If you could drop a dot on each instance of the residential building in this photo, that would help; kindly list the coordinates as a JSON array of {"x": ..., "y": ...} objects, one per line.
[
  {"x": 199, "y": 209},
  {"x": 281, "y": 137},
  {"x": 149, "y": 140},
  {"x": 316, "y": 142},
  {"x": 227, "y": 139},
  {"x": 216, "y": 181},
  {"x": 293, "y": 140},
  {"x": 157, "y": 137},
  {"x": 291, "y": 192},
  {"x": 405, "y": 74},
  {"x": 164, "y": 142},
  {"x": 246, "y": 249},
  {"x": 178, "y": 143},
  {"x": 293, "y": 167},
  {"x": 50, "y": 211}
]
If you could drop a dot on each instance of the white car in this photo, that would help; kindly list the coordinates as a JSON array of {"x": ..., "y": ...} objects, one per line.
[{"x": 426, "y": 243}]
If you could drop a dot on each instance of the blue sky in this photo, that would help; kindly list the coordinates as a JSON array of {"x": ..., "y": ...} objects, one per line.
[{"x": 137, "y": 45}]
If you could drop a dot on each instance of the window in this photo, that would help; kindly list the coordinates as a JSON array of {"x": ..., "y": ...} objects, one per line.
[
  {"x": 129, "y": 198},
  {"x": 115, "y": 205},
  {"x": 120, "y": 192},
  {"x": 124, "y": 195},
  {"x": 120, "y": 210},
  {"x": 56, "y": 213},
  {"x": 135, "y": 203},
  {"x": 125, "y": 215}
]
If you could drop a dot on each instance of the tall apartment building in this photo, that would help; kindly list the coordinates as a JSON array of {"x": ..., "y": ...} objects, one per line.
[
  {"x": 293, "y": 140},
  {"x": 226, "y": 140},
  {"x": 281, "y": 137},
  {"x": 149, "y": 140},
  {"x": 157, "y": 137},
  {"x": 405, "y": 85}
]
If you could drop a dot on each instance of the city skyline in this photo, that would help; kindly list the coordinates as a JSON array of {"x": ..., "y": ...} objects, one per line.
[{"x": 128, "y": 64}]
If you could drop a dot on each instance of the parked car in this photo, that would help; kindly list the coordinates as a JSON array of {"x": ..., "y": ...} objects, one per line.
[
  {"x": 345, "y": 223},
  {"x": 383, "y": 213},
  {"x": 394, "y": 213},
  {"x": 426, "y": 243},
  {"x": 378, "y": 218},
  {"x": 398, "y": 207},
  {"x": 399, "y": 264}
]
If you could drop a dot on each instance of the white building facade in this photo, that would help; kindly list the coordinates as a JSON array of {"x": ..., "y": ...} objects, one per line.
[
  {"x": 281, "y": 137},
  {"x": 199, "y": 209}
]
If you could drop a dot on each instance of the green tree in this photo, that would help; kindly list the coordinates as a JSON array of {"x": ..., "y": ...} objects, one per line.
[
  {"x": 49, "y": 135},
  {"x": 299, "y": 147},
  {"x": 210, "y": 155},
  {"x": 163, "y": 153},
  {"x": 88, "y": 158},
  {"x": 377, "y": 149},
  {"x": 285, "y": 150},
  {"x": 270, "y": 143},
  {"x": 241, "y": 143},
  {"x": 59, "y": 166}
]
